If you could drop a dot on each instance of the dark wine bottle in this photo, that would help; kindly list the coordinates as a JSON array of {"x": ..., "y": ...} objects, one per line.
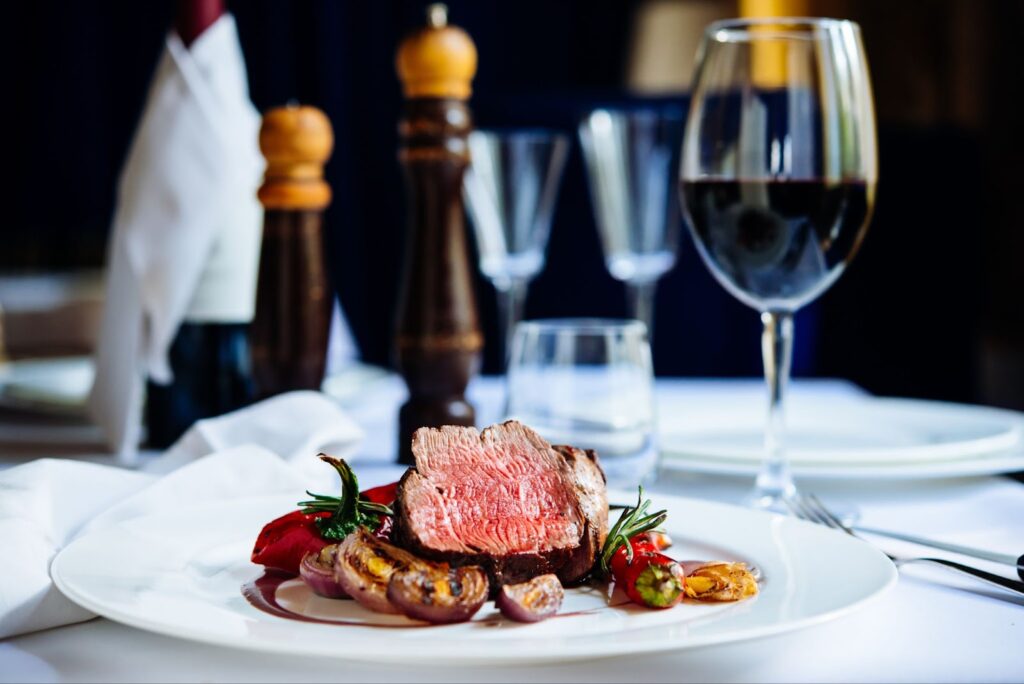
[
  {"x": 210, "y": 355},
  {"x": 212, "y": 375}
]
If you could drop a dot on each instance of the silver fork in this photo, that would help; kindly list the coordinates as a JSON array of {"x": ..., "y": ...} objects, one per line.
[{"x": 809, "y": 507}]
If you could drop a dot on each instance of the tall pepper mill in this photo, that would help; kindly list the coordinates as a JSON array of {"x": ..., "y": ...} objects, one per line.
[
  {"x": 438, "y": 336},
  {"x": 294, "y": 298}
]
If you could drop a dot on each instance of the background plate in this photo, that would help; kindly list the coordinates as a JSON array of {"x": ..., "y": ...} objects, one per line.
[
  {"x": 846, "y": 431},
  {"x": 989, "y": 464}
]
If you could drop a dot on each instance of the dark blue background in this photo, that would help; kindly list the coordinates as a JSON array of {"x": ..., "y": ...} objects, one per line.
[{"x": 903, "y": 320}]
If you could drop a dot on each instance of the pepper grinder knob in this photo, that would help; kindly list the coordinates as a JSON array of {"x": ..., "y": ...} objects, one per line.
[
  {"x": 438, "y": 60},
  {"x": 296, "y": 142}
]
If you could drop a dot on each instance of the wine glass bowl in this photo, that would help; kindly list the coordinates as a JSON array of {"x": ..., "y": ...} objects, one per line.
[
  {"x": 510, "y": 189},
  {"x": 631, "y": 156},
  {"x": 777, "y": 180}
]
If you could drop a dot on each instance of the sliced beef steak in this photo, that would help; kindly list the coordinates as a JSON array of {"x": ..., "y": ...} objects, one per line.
[{"x": 504, "y": 499}]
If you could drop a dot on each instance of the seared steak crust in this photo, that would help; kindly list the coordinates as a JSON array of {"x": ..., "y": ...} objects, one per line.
[
  {"x": 503, "y": 499},
  {"x": 593, "y": 497}
]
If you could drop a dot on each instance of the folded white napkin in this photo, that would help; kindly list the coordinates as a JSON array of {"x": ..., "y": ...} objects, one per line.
[{"x": 46, "y": 504}]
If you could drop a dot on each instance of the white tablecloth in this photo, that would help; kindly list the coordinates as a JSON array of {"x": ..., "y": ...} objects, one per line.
[{"x": 934, "y": 626}]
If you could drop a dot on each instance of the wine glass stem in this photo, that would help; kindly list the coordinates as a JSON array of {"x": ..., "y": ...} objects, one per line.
[
  {"x": 510, "y": 302},
  {"x": 641, "y": 303},
  {"x": 775, "y": 482}
]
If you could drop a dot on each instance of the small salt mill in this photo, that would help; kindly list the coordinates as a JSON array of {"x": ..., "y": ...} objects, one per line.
[
  {"x": 289, "y": 333},
  {"x": 438, "y": 336}
]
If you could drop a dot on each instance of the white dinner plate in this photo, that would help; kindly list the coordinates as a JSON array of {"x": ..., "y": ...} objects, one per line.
[
  {"x": 182, "y": 573},
  {"x": 843, "y": 434}
]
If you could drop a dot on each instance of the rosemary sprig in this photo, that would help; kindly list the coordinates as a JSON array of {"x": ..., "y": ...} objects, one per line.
[
  {"x": 347, "y": 511},
  {"x": 633, "y": 521},
  {"x": 329, "y": 504}
]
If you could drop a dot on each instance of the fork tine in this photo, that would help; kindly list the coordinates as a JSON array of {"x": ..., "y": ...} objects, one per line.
[
  {"x": 812, "y": 512},
  {"x": 803, "y": 511},
  {"x": 797, "y": 513},
  {"x": 831, "y": 516}
]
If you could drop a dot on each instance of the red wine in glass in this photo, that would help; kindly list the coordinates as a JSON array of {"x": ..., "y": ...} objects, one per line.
[{"x": 777, "y": 243}]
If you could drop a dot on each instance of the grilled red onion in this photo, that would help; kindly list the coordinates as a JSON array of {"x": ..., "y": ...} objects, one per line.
[
  {"x": 531, "y": 601},
  {"x": 364, "y": 566},
  {"x": 317, "y": 570},
  {"x": 437, "y": 593}
]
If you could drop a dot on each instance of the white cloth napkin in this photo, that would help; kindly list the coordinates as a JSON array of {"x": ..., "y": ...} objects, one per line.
[
  {"x": 296, "y": 426},
  {"x": 187, "y": 222},
  {"x": 46, "y": 504}
]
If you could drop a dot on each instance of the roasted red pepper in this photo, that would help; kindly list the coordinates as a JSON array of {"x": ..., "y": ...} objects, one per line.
[
  {"x": 283, "y": 542},
  {"x": 385, "y": 494}
]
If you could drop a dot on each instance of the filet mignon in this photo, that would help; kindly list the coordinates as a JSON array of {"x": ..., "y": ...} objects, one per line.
[{"x": 503, "y": 499}]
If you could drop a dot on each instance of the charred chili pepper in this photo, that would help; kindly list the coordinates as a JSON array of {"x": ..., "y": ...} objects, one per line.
[
  {"x": 634, "y": 521},
  {"x": 654, "y": 580},
  {"x": 651, "y": 578},
  {"x": 621, "y": 558},
  {"x": 633, "y": 558},
  {"x": 660, "y": 540}
]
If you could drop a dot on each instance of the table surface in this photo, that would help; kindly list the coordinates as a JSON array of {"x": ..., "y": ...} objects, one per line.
[{"x": 934, "y": 626}]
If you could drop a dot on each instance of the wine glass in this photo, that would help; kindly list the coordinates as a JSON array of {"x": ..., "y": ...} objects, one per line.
[
  {"x": 510, "y": 188},
  {"x": 778, "y": 174},
  {"x": 631, "y": 157}
]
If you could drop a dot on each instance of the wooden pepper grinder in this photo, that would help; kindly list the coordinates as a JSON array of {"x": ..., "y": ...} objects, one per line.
[
  {"x": 293, "y": 295},
  {"x": 438, "y": 336}
]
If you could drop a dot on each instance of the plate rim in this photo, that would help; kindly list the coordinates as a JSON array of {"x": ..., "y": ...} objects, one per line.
[
  {"x": 487, "y": 653},
  {"x": 972, "y": 463},
  {"x": 983, "y": 465}
]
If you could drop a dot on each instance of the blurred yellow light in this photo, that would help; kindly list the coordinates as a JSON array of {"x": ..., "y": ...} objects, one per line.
[{"x": 768, "y": 68}]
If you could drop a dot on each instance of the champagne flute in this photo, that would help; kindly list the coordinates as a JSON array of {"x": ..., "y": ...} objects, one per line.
[
  {"x": 631, "y": 157},
  {"x": 510, "y": 190},
  {"x": 778, "y": 174}
]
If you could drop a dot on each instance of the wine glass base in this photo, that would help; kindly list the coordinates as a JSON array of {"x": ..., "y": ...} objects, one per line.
[
  {"x": 771, "y": 501},
  {"x": 784, "y": 502}
]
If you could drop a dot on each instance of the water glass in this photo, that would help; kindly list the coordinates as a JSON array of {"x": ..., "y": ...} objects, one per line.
[{"x": 588, "y": 383}]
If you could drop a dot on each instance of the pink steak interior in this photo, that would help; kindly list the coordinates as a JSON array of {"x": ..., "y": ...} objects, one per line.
[{"x": 502, "y": 492}]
